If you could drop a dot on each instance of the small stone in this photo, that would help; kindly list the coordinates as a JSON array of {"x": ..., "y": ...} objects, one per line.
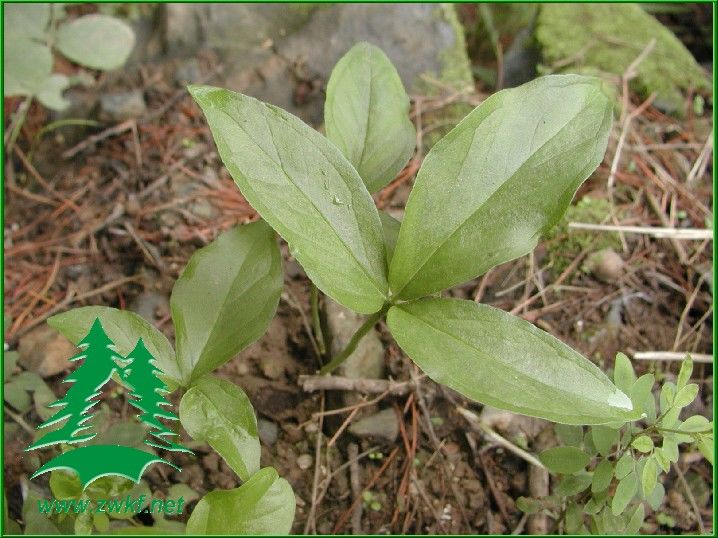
[
  {"x": 123, "y": 105},
  {"x": 268, "y": 431},
  {"x": 45, "y": 352},
  {"x": 383, "y": 425},
  {"x": 151, "y": 305},
  {"x": 304, "y": 462},
  {"x": 606, "y": 265}
]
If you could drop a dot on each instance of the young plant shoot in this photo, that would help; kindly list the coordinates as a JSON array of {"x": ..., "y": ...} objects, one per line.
[{"x": 485, "y": 194}]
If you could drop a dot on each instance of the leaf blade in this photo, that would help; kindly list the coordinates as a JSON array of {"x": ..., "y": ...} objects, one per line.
[
  {"x": 500, "y": 179},
  {"x": 267, "y": 507},
  {"x": 366, "y": 115},
  {"x": 306, "y": 190},
  {"x": 218, "y": 412},
  {"x": 540, "y": 376},
  {"x": 225, "y": 298},
  {"x": 96, "y": 41},
  {"x": 124, "y": 328}
]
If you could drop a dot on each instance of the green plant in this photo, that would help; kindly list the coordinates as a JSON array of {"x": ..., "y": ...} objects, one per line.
[
  {"x": 223, "y": 301},
  {"x": 484, "y": 195},
  {"x": 32, "y": 31},
  {"x": 609, "y": 473}
]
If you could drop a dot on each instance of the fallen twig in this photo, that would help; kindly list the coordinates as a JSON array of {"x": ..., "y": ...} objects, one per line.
[
  {"x": 312, "y": 383},
  {"x": 482, "y": 428},
  {"x": 659, "y": 233},
  {"x": 672, "y": 356}
]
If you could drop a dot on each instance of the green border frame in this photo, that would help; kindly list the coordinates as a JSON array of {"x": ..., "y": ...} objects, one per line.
[{"x": 2, "y": 200}]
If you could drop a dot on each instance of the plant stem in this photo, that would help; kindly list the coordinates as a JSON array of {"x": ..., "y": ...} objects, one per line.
[
  {"x": 318, "y": 334},
  {"x": 352, "y": 345}
]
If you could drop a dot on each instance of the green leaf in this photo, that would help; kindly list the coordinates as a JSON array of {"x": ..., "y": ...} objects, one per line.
[
  {"x": 10, "y": 362},
  {"x": 649, "y": 476},
  {"x": 573, "y": 484},
  {"x": 305, "y": 189},
  {"x": 495, "y": 184},
  {"x": 263, "y": 505},
  {"x": 528, "y": 505},
  {"x": 634, "y": 524},
  {"x": 668, "y": 393},
  {"x": 641, "y": 396},
  {"x": 624, "y": 465},
  {"x": 696, "y": 423},
  {"x": 655, "y": 499},
  {"x": 705, "y": 445},
  {"x": 684, "y": 374},
  {"x": 500, "y": 360},
  {"x": 218, "y": 412},
  {"x": 592, "y": 506},
  {"x": 124, "y": 328},
  {"x": 390, "y": 228},
  {"x": 225, "y": 298},
  {"x": 685, "y": 396},
  {"x": 623, "y": 374},
  {"x": 96, "y": 41},
  {"x": 670, "y": 449},
  {"x": 26, "y": 65},
  {"x": 602, "y": 476},
  {"x": 28, "y": 20},
  {"x": 564, "y": 459},
  {"x": 604, "y": 439},
  {"x": 569, "y": 435},
  {"x": 50, "y": 94},
  {"x": 366, "y": 115},
  {"x": 661, "y": 459},
  {"x": 627, "y": 488},
  {"x": 643, "y": 443},
  {"x": 573, "y": 518}
]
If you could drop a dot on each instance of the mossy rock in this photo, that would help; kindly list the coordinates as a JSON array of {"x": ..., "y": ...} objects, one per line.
[
  {"x": 605, "y": 39},
  {"x": 564, "y": 245}
]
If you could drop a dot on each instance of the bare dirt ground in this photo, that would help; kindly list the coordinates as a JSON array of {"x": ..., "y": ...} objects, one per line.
[{"x": 110, "y": 215}]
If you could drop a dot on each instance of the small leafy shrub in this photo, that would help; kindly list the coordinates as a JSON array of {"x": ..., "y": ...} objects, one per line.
[
  {"x": 33, "y": 31},
  {"x": 609, "y": 473},
  {"x": 222, "y": 302},
  {"x": 484, "y": 195}
]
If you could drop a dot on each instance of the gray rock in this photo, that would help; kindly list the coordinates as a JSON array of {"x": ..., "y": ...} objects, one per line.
[
  {"x": 122, "y": 105},
  {"x": 367, "y": 361},
  {"x": 151, "y": 305},
  {"x": 268, "y": 431},
  {"x": 284, "y": 55},
  {"x": 382, "y": 425},
  {"x": 45, "y": 352}
]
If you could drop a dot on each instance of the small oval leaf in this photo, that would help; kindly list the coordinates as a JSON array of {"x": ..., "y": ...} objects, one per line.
[
  {"x": 504, "y": 176},
  {"x": 564, "y": 459},
  {"x": 305, "y": 189},
  {"x": 225, "y": 298},
  {"x": 366, "y": 115},
  {"x": 264, "y": 504},
  {"x": 96, "y": 41},
  {"x": 218, "y": 412},
  {"x": 627, "y": 488},
  {"x": 497, "y": 359}
]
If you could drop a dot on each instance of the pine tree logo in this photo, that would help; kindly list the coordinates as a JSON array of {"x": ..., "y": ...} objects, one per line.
[{"x": 73, "y": 421}]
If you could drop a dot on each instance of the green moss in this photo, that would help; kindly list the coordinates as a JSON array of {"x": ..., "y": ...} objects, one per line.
[
  {"x": 605, "y": 39},
  {"x": 564, "y": 245}
]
